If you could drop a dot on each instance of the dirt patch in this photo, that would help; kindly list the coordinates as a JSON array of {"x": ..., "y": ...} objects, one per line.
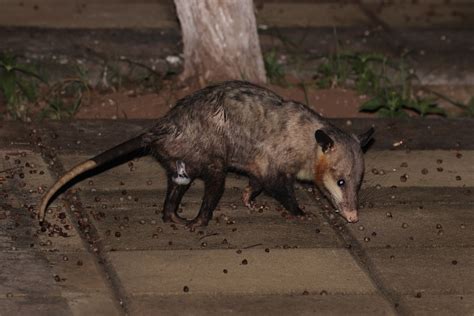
[{"x": 130, "y": 105}]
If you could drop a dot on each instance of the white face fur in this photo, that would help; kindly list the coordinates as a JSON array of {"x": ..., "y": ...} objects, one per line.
[{"x": 331, "y": 185}]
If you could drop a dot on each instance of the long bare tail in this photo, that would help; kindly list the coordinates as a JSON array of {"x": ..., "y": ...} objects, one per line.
[{"x": 107, "y": 156}]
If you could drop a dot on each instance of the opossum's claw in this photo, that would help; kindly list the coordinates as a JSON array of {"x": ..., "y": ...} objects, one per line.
[
  {"x": 174, "y": 218},
  {"x": 197, "y": 222},
  {"x": 246, "y": 194}
]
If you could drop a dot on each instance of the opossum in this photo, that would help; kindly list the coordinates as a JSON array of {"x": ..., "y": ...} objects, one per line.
[{"x": 240, "y": 126}]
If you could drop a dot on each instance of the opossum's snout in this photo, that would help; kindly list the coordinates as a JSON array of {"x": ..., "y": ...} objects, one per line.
[{"x": 351, "y": 216}]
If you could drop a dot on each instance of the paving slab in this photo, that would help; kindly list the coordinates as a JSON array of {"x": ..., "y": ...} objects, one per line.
[
  {"x": 430, "y": 270},
  {"x": 433, "y": 168},
  {"x": 298, "y": 304},
  {"x": 431, "y": 226},
  {"x": 42, "y": 272},
  {"x": 234, "y": 272},
  {"x": 432, "y": 304},
  {"x": 16, "y": 136}
]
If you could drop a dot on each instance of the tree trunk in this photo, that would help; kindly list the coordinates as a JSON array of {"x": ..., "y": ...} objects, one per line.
[{"x": 220, "y": 41}]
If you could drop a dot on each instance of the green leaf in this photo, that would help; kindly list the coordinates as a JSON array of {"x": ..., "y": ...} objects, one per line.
[{"x": 372, "y": 105}]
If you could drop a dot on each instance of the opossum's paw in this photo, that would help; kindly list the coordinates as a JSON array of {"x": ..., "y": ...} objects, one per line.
[
  {"x": 197, "y": 222},
  {"x": 174, "y": 218},
  {"x": 246, "y": 195},
  {"x": 298, "y": 214}
]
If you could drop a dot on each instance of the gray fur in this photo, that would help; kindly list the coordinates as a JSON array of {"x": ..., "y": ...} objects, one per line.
[{"x": 238, "y": 125}]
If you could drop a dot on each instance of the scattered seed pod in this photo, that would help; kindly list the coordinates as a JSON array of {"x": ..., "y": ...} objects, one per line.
[
  {"x": 404, "y": 165},
  {"x": 389, "y": 215},
  {"x": 439, "y": 161},
  {"x": 439, "y": 226},
  {"x": 454, "y": 262},
  {"x": 418, "y": 295},
  {"x": 225, "y": 271},
  {"x": 366, "y": 239},
  {"x": 305, "y": 292},
  {"x": 458, "y": 178},
  {"x": 404, "y": 178},
  {"x": 424, "y": 171},
  {"x": 244, "y": 262},
  {"x": 458, "y": 155},
  {"x": 267, "y": 250},
  {"x": 323, "y": 292},
  {"x": 439, "y": 169},
  {"x": 185, "y": 289}
]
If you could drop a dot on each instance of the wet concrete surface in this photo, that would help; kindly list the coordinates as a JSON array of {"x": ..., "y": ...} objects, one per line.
[{"x": 107, "y": 251}]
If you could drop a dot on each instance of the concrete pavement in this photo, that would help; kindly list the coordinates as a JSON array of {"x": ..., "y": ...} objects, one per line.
[{"x": 107, "y": 252}]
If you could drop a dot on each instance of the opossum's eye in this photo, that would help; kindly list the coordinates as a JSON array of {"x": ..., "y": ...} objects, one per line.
[{"x": 341, "y": 182}]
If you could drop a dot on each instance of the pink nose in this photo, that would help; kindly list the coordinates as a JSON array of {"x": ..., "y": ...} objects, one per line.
[{"x": 352, "y": 217}]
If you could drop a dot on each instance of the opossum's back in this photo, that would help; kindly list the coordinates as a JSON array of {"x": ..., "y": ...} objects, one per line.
[{"x": 236, "y": 115}]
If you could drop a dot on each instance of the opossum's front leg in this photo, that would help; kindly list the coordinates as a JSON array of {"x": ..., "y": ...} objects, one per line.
[
  {"x": 213, "y": 189},
  {"x": 281, "y": 188},
  {"x": 251, "y": 192},
  {"x": 174, "y": 194}
]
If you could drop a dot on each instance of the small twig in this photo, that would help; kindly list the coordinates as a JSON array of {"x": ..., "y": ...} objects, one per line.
[
  {"x": 251, "y": 246},
  {"x": 209, "y": 235}
]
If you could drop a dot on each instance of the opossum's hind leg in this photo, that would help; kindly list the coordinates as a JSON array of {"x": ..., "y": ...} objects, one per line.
[
  {"x": 281, "y": 188},
  {"x": 251, "y": 192},
  {"x": 214, "y": 183},
  {"x": 174, "y": 194}
]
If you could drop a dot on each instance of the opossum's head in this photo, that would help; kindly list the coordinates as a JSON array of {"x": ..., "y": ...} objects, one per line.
[{"x": 339, "y": 168}]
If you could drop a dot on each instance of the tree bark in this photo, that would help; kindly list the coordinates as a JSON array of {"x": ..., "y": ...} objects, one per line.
[{"x": 220, "y": 41}]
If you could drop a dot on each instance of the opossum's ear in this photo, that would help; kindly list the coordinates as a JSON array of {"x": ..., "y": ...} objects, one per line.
[
  {"x": 324, "y": 140},
  {"x": 365, "y": 138}
]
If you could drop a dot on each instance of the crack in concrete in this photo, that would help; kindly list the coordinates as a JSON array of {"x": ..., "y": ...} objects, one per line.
[
  {"x": 362, "y": 259},
  {"x": 90, "y": 236}
]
